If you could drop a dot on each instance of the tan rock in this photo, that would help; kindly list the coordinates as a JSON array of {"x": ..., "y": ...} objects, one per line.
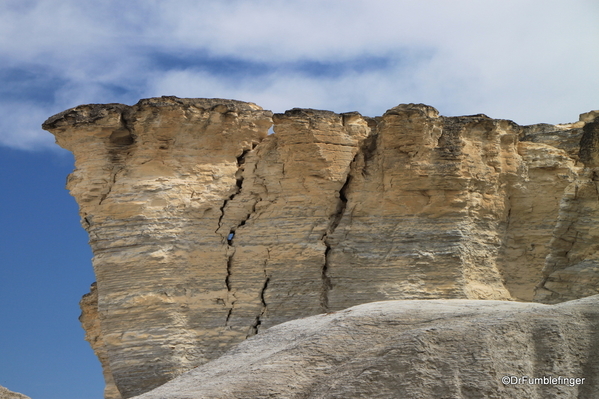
[
  {"x": 6, "y": 394},
  {"x": 426, "y": 209},
  {"x": 151, "y": 181},
  {"x": 572, "y": 267},
  {"x": 412, "y": 349},
  {"x": 534, "y": 203},
  {"x": 589, "y": 116},
  {"x": 90, "y": 321},
  {"x": 206, "y": 231}
]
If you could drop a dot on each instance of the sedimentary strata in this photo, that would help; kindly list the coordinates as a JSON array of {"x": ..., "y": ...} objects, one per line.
[{"x": 206, "y": 229}]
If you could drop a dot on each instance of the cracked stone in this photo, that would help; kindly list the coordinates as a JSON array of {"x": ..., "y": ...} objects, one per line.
[{"x": 206, "y": 229}]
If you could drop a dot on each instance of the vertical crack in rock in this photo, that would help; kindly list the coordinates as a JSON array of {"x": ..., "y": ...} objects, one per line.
[
  {"x": 254, "y": 328},
  {"x": 326, "y": 280},
  {"x": 228, "y": 316},
  {"x": 162, "y": 180},
  {"x": 561, "y": 244},
  {"x": 231, "y": 299},
  {"x": 239, "y": 184},
  {"x": 231, "y": 235},
  {"x": 111, "y": 183},
  {"x": 368, "y": 150},
  {"x": 334, "y": 222},
  {"x": 163, "y": 168},
  {"x": 509, "y": 214},
  {"x": 228, "y": 278}
]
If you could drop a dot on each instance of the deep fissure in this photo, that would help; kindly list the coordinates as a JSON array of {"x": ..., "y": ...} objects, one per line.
[
  {"x": 231, "y": 235},
  {"x": 228, "y": 277},
  {"x": 327, "y": 285},
  {"x": 238, "y": 184},
  {"x": 258, "y": 322}
]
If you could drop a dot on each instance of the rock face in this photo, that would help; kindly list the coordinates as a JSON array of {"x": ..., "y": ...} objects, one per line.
[
  {"x": 90, "y": 320},
  {"x": 206, "y": 230},
  {"x": 6, "y": 394},
  {"x": 572, "y": 266},
  {"x": 411, "y": 349}
]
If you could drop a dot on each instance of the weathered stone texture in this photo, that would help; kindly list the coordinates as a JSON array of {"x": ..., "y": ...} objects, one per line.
[
  {"x": 90, "y": 321},
  {"x": 534, "y": 203},
  {"x": 411, "y": 349},
  {"x": 572, "y": 266},
  {"x": 430, "y": 179},
  {"x": 6, "y": 394},
  {"x": 207, "y": 230},
  {"x": 151, "y": 181}
]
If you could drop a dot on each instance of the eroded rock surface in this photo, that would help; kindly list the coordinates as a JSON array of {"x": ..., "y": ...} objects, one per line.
[
  {"x": 6, "y": 394},
  {"x": 90, "y": 321},
  {"x": 206, "y": 230},
  {"x": 412, "y": 349},
  {"x": 572, "y": 266}
]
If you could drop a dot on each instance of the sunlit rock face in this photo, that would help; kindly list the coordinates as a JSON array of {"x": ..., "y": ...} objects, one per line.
[{"x": 206, "y": 230}]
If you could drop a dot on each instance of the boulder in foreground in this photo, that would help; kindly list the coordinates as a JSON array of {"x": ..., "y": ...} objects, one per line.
[{"x": 411, "y": 349}]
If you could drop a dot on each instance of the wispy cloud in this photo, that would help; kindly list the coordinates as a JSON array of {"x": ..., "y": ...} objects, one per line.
[{"x": 527, "y": 60}]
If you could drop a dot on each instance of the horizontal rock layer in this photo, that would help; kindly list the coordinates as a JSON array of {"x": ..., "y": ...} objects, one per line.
[
  {"x": 207, "y": 230},
  {"x": 411, "y": 349}
]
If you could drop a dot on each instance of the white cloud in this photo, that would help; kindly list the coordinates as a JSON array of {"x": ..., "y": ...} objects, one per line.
[
  {"x": 527, "y": 60},
  {"x": 17, "y": 128}
]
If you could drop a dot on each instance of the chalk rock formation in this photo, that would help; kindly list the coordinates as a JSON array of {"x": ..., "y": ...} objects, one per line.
[
  {"x": 90, "y": 320},
  {"x": 572, "y": 266},
  {"x": 207, "y": 230},
  {"x": 6, "y": 394},
  {"x": 411, "y": 349}
]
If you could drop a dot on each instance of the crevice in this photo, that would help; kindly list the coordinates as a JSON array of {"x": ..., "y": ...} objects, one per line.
[
  {"x": 230, "y": 295},
  {"x": 558, "y": 259},
  {"x": 571, "y": 246},
  {"x": 255, "y": 327},
  {"x": 368, "y": 150},
  {"x": 222, "y": 213},
  {"x": 327, "y": 284},
  {"x": 238, "y": 184},
  {"x": 229, "y": 264},
  {"x": 110, "y": 185},
  {"x": 231, "y": 235}
]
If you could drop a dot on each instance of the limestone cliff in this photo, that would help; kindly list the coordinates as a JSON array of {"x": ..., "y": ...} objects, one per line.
[
  {"x": 90, "y": 320},
  {"x": 572, "y": 266},
  {"x": 412, "y": 349},
  {"x": 207, "y": 230}
]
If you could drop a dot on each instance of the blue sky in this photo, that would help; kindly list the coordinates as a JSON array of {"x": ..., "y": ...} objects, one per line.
[{"x": 530, "y": 61}]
